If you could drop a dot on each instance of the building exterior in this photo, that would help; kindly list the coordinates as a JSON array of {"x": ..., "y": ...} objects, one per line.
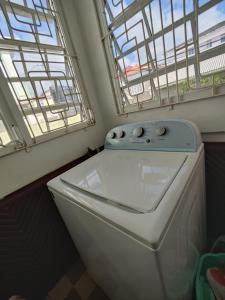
[{"x": 208, "y": 40}]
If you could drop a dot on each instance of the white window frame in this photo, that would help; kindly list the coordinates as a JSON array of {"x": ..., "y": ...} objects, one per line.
[
  {"x": 198, "y": 94},
  {"x": 13, "y": 118}
]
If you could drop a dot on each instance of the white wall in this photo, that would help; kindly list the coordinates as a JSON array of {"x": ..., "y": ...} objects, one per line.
[
  {"x": 207, "y": 114},
  {"x": 21, "y": 168}
]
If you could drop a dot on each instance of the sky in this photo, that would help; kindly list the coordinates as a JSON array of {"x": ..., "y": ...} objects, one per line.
[
  {"x": 22, "y": 30},
  {"x": 138, "y": 33},
  {"x": 47, "y": 35},
  {"x": 137, "y": 28}
]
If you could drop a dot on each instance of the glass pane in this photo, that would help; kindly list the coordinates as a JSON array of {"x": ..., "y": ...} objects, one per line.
[
  {"x": 4, "y": 136},
  {"x": 154, "y": 49},
  {"x": 39, "y": 69}
]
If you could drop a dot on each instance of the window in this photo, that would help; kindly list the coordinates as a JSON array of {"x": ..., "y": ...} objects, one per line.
[
  {"x": 222, "y": 40},
  {"x": 157, "y": 50},
  {"x": 209, "y": 44},
  {"x": 39, "y": 73},
  {"x": 5, "y": 138},
  {"x": 191, "y": 51}
]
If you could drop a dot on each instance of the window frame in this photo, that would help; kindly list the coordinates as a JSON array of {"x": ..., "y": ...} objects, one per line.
[
  {"x": 13, "y": 118},
  {"x": 199, "y": 94},
  {"x": 209, "y": 44},
  {"x": 191, "y": 51}
]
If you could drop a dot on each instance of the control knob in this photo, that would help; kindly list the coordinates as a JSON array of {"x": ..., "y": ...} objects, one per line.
[
  {"x": 160, "y": 131},
  {"x": 112, "y": 135},
  {"x": 120, "y": 134},
  {"x": 138, "y": 132}
]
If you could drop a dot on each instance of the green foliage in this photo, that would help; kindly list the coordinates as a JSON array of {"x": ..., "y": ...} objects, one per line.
[
  {"x": 208, "y": 81},
  {"x": 219, "y": 79}
]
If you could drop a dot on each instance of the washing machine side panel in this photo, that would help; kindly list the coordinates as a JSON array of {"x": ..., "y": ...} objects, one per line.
[
  {"x": 123, "y": 267},
  {"x": 185, "y": 238}
]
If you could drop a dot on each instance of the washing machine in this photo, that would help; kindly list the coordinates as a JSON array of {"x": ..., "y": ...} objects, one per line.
[{"x": 136, "y": 210}]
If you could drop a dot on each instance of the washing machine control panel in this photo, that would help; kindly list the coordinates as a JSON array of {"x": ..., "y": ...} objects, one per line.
[
  {"x": 138, "y": 132},
  {"x": 166, "y": 135}
]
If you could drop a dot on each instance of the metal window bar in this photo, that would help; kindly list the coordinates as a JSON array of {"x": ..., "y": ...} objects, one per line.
[
  {"x": 186, "y": 44},
  {"x": 5, "y": 136},
  {"x": 164, "y": 49},
  {"x": 36, "y": 62},
  {"x": 9, "y": 137},
  {"x": 175, "y": 52},
  {"x": 177, "y": 74},
  {"x": 154, "y": 48}
]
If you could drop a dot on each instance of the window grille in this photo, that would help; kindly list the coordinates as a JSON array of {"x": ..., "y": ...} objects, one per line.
[
  {"x": 9, "y": 139},
  {"x": 5, "y": 138},
  {"x": 209, "y": 44},
  {"x": 163, "y": 52},
  {"x": 191, "y": 51},
  {"x": 40, "y": 68}
]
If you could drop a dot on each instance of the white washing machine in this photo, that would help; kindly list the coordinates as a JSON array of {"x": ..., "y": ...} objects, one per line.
[{"x": 136, "y": 210}]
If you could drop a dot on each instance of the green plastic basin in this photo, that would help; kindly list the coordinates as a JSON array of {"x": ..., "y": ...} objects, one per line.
[{"x": 209, "y": 260}]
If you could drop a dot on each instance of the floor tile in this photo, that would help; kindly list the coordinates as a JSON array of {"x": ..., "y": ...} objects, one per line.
[
  {"x": 76, "y": 271},
  {"x": 73, "y": 295},
  {"x": 85, "y": 286},
  {"x": 98, "y": 294},
  {"x": 61, "y": 289}
]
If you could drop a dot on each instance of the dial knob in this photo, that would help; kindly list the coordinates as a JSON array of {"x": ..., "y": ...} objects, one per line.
[
  {"x": 120, "y": 134},
  {"x": 160, "y": 131},
  {"x": 112, "y": 135},
  {"x": 138, "y": 132}
]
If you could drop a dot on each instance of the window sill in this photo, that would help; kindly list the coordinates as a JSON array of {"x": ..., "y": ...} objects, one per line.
[
  {"x": 45, "y": 138},
  {"x": 192, "y": 96}
]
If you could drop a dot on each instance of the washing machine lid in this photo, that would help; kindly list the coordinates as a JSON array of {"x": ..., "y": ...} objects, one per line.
[{"x": 134, "y": 180}]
